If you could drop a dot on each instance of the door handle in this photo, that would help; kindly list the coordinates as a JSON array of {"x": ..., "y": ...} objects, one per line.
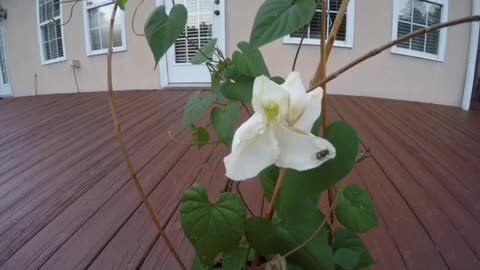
[
  {"x": 216, "y": 12},
  {"x": 217, "y": 2}
]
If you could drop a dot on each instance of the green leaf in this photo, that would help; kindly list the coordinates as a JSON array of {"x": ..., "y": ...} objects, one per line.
[
  {"x": 298, "y": 225},
  {"x": 298, "y": 185},
  {"x": 240, "y": 90},
  {"x": 121, "y": 4},
  {"x": 278, "y": 79},
  {"x": 212, "y": 227},
  {"x": 346, "y": 258},
  {"x": 162, "y": 30},
  {"x": 205, "y": 53},
  {"x": 278, "y": 18},
  {"x": 294, "y": 267},
  {"x": 200, "y": 136},
  {"x": 197, "y": 264},
  {"x": 249, "y": 61},
  {"x": 197, "y": 105},
  {"x": 223, "y": 122},
  {"x": 268, "y": 178},
  {"x": 355, "y": 209},
  {"x": 234, "y": 259},
  {"x": 231, "y": 73},
  {"x": 347, "y": 239}
]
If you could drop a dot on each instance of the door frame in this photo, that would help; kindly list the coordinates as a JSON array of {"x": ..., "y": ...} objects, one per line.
[
  {"x": 163, "y": 68},
  {"x": 10, "y": 92},
  {"x": 472, "y": 58}
]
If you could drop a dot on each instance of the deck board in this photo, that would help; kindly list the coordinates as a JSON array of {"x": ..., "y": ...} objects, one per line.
[{"x": 66, "y": 201}]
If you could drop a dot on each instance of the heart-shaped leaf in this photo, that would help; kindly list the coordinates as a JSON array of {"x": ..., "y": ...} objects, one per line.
[
  {"x": 205, "y": 53},
  {"x": 162, "y": 30},
  {"x": 278, "y": 18},
  {"x": 212, "y": 228},
  {"x": 240, "y": 90},
  {"x": 223, "y": 122},
  {"x": 347, "y": 239},
  {"x": 355, "y": 209},
  {"x": 249, "y": 61},
  {"x": 346, "y": 258},
  {"x": 196, "y": 106},
  {"x": 234, "y": 259},
  {"x": 298, "y": 185},
  {"x": 298, "y": 224},
  {"x": 200, "y": 136}
]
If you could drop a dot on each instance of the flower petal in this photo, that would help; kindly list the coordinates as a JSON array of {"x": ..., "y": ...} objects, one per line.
[
  {"x": 298, "y": 97},
  {"x": 301, "y": 151},
  {"x": 312, "y": 111},
  {"x": 266, "y": 91},
  {"x": 254, "y": 148}
]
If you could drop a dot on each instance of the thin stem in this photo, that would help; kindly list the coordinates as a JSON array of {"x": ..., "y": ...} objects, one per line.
[
  {"x": 298, "y": 50},
  {"x": 336, "y": 25},
  {"x": 247, "y": 109},
  {"x": 319, "y": 229},
  {"x": 276, "y": 191},
  {"x": 133, "y": 19},
  {"x": 237, "y": 187},
  {"x": 390, "y": 44},
  {"x": 301, "y": 42},
  {"x": 123, "y": 148},
  {"x": 71, "y": 12}
]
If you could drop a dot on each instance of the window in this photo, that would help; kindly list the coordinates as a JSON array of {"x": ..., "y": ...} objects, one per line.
[
  {"x": 312, "y": 32},
  {"x": 199, "y": 29},
  {"x": 50, "y": 33},
  {"x": 97, "y": 15},
  {"x": 412, "y": 15}
]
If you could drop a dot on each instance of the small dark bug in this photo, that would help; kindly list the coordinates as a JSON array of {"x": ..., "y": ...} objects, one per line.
[{"x": 320, "y": 155}]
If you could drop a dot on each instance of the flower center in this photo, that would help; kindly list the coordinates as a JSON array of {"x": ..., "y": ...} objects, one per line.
[{"x": 271, "y": 110}]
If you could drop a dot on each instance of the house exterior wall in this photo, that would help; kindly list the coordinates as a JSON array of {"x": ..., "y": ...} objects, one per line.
[{"x": 387, "y": 75}]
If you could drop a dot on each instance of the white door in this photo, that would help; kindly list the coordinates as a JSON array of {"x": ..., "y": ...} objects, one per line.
[
  {"x": 206, "y": 20},
  {"x": 4, "y": 80}
]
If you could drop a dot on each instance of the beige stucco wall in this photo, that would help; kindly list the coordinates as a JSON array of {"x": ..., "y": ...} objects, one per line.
[
  {"x": 388, "y": 75},
  {"x": 133, "y": 69}
]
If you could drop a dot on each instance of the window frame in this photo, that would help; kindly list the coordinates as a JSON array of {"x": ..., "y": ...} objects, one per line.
[
  {"x": 440, "y": 57},
  {"x": 348, "y": 43},
  {"x": 41, "y": 44},
  {"x": 86, "y": 29}
]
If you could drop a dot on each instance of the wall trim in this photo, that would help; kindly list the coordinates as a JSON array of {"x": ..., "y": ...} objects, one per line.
[{"x": 472, "y": 58}]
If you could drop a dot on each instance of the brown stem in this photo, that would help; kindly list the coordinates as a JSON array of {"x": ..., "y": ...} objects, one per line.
[
  {"x": 336, "y": 25},
  {"x": 271, "y": 208},
  {"x": 321, "y": 68},
  {"x": 320, "y": 75},
  {"x": 393, "y": 43},
  {"x": 276, "y": 191},
  {"x": 123, "y": 148},
  {"x": 319, "y": 229},
  {"x": 133, "y": 19}
]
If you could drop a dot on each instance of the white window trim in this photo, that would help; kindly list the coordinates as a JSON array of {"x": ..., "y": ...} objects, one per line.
[
  {"x": 40, "y": 40},
  {"x": 348, "y": 43},
  {"x": 86, "y": 28},
  {"x": 442, "y": 41}
]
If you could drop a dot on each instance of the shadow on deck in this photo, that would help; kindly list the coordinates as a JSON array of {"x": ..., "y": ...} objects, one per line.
[{"x": 66, "y": 201}]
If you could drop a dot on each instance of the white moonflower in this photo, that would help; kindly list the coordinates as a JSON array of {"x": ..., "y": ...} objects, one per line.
[{"x": 279, "y": 130}]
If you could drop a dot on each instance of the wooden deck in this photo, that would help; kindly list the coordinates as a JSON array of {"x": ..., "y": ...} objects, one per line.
[{"x": 66, "y": 201}]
